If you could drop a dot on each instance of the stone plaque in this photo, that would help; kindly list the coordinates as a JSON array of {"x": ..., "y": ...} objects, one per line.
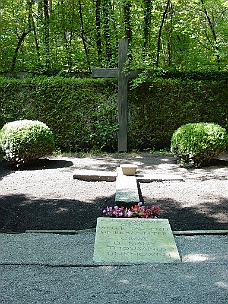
[{"x": 134, "y": 240}]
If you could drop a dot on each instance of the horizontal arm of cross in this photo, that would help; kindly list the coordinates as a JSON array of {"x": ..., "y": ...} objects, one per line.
[
  {"x": 105, "y": 73},
  {"x": 113, "y": 73}
]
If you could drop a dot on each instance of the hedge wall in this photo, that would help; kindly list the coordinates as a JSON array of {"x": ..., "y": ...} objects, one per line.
[
  {"x": 157, "y": 109},
  {"x": 82, "y": 113}
]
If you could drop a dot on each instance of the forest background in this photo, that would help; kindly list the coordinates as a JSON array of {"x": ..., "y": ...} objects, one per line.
[{"x": 182, "y": 44}]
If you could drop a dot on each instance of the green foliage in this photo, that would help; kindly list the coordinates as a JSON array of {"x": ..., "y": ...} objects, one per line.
[
  {"x": 83, "y": 116},
  {"x": 82, "y": 113},
  {"x": 104, "y": 134},
  {"x": 157, "y": 108},
  {"x": 25, "y": 141},
  {"x": 194, "y": 144},
  {"x": 47, "y": 37}
]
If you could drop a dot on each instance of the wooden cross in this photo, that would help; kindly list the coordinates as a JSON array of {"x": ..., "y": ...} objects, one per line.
[{"x": 122, "y": 90}]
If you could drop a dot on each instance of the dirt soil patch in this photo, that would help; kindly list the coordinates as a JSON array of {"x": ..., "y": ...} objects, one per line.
[{"x": 45, "y": 195}]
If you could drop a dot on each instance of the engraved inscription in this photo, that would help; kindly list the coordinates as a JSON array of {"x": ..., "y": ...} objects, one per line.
[{"x": 134, "y": 240}]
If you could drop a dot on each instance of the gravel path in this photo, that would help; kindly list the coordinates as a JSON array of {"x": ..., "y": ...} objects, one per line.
[{"x": 45, "y": 196}]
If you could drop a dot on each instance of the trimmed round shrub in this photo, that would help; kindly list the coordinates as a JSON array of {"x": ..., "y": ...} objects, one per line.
[
  {"x": 25, "y": 141},
  {"x": 194, "y": 144}
]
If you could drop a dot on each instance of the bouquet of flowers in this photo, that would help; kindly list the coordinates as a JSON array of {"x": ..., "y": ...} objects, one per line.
[{"x": 134, "y": 211}]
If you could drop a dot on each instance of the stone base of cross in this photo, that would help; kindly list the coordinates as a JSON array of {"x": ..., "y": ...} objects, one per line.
[{"x": 127, "y": 180}]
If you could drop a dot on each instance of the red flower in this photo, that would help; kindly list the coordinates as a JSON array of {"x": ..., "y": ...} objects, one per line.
[{"x": 134, "y": 211}]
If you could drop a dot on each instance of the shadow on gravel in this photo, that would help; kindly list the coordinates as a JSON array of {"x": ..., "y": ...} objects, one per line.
[
  {"x": 219, "y": 163},
  {"x": 211, "y": 216},
  {"x": 19, "y": 213},
  {"x": 5, "y": 169},
  {"x": 41, "y": 164},
  {"x": 46, "y": 163}
]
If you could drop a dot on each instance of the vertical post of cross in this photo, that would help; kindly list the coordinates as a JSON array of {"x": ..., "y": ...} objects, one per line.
[
  {"x": 122, "y": 96},
  {"x": 122, "y": 91}
]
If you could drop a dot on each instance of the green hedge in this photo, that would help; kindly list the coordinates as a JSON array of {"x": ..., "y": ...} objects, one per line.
[
  {"x": 158, "y": 108},
  {"x": 82, "y": 113}
]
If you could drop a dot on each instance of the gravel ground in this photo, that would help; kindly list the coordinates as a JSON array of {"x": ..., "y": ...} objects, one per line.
[
  {"x": 39, "y": 268},
  {"x": 45, "y": 196},
  {"x": 195, "y": 283}
]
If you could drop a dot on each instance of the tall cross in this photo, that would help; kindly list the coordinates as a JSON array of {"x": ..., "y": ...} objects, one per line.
[{"x": 122, "y": 90}]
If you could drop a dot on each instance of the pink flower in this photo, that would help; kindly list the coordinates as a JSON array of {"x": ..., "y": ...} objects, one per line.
[
  {"x": 134, "y": 211},
  {"x": 129, "y": 213}
]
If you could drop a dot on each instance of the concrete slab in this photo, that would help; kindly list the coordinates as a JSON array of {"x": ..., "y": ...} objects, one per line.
[
  {"x": 92, "y": 175},
  {"x": 148, "y": 178},
  {"x": 126, "y": 189},
  {"x": 110, "y": 176},
  {"x": 134, "y": 241}
]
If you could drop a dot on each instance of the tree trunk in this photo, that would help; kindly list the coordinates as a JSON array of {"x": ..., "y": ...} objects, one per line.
[
  {"x": 98, "y": 29},
  {"x": 160, "y": 32},
  {"x": 147, "y": 24},
  {"x": 47, "y": 32},
  {"x": 36, "y": 39},
  {"x": 212, "y": 29},
  {"x": 22, "y": 37},
  {"x": 127, "y": 19},
  {"x": 20, "y": 42},
  {"x": 107, "y": 36},
  {"x": 83, "y": 35}
]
